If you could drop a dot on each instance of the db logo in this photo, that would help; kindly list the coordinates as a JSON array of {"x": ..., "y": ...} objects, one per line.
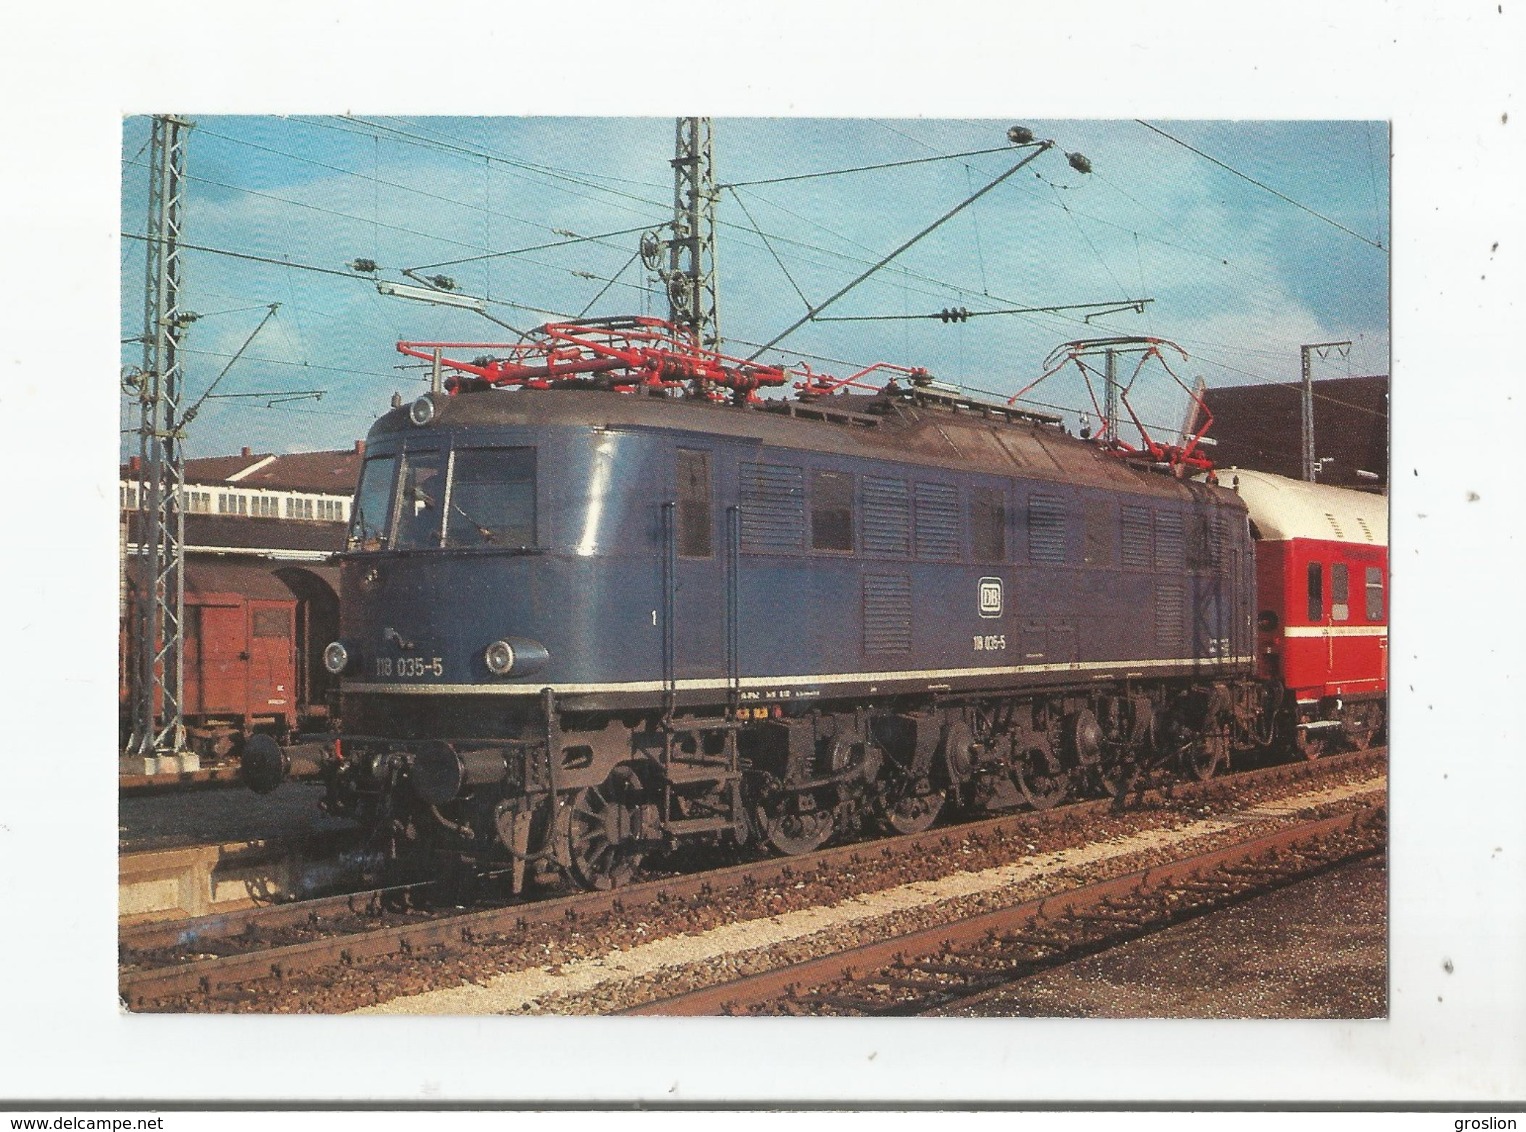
[{"x": 990, "y": 597}]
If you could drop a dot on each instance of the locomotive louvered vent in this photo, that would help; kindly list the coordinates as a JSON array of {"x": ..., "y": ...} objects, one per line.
[
  {"x": 887, "y": 613},
  {"x": 887, "y": 517},
  {"x": 1170, "y": 636},
  {"x": 1169, "y": 551},
  {"x": 1046, "y": 530},
  {"x": 938, "y": 522},
  {"x": 1138, "y": 546},
  {"x": 1334, "y": 526},
  {"x": 1366, "y": 530},
  {"x": 773, "y": 509},
  {"x": 1218, "y": 545}
]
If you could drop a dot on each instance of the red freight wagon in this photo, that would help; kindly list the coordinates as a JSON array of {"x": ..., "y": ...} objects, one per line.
[
  {"x": 1322, "y": 597},
  {"x": 247, "y": 666}
]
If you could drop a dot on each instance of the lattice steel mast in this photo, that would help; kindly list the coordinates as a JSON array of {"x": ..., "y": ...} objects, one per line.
[
  {"x": 693, "y": 295},
  {"x": 158, "y": 559}
]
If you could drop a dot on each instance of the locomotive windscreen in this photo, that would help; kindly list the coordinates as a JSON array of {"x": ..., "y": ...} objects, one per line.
[
  {"x": 492, "y": 497},
  {"x": 369, "y": 519}
]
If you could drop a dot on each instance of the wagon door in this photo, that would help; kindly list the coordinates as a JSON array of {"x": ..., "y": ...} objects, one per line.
[
  {"x": 272, "y": 658},
  {"x": 221, "y": 661}
]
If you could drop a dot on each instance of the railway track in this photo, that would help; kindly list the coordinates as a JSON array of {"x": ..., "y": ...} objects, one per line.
[
  {"x": 959, "y": 963},
  {"x": 242, "y": 958}
]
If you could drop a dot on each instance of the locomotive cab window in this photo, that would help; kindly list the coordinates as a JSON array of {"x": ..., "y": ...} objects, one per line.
[
  {"x": 831, "y": 511},
  {"x": 694, "y": 516},
  {"x": 1316, "y": 591},
  {"x": 1340, "y": 608},
  {"x": 492, "y": 498},
  {"x": 368, "y": 519},
  {"x": 420, "y": 492}
]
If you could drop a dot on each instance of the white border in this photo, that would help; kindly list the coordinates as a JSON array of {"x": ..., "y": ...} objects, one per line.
[{"x": 1446, "y": 74}]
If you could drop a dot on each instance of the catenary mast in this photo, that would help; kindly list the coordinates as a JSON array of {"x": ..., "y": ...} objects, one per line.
[{"x": 157, "y": 552}]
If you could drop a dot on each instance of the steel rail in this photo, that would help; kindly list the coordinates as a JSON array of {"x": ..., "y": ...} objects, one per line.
[
  {"x": 142, "y": 989},
  {"x": 899, "y": 955}
]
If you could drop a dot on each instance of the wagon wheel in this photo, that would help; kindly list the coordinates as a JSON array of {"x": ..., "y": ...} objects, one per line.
[
  {"x": 790, "y": 824},
  {"x": 1361, "y": 732},
  {"x": 1041, "y": 778},
  {"x": 911, "y": 807},
  {"x": 601, "y": 838},
  {"x": 1310, "y": 745}
]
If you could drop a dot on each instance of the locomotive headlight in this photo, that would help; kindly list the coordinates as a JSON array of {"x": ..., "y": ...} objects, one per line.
[
  {"x": 515, "y": 656},
  {"x": 500, "y": 658},
  {"x": 421, "y": 412},
  {"x": 336, "y": 658}
]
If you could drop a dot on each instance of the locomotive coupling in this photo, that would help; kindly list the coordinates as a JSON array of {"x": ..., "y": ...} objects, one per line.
[{"x": 266, "y": 764}]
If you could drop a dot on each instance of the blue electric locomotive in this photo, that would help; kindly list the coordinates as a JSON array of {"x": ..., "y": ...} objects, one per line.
[{"x": 591, "y": 619}]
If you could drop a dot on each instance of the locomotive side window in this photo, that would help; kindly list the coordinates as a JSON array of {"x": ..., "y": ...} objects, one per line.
[
  {"x": 368, "y": 520},
  {"x": 420, "y": 490},
  {"x": 831, "y": 511},
  {"x": 1374, "y": 594},
  {"x": 1316, "y": 591},
  {"x": 988, "y": 524},
  {"x": 492, "y": 498},
  {"x": 1340, "y": 609},
  {"x": 1099, "y": 533},
  {"x": 1197, "y": 543},
  {"x": 694, "y": 524}
]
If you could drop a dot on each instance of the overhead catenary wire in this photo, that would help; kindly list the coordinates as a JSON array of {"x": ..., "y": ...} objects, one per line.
[{"x": 1261, "y": 185}]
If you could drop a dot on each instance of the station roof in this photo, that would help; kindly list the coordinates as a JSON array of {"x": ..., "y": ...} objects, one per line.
[{"x": 323, "y": 473}]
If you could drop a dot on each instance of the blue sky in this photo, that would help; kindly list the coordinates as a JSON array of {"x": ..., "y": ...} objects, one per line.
[{"x": 1240, "y": 277}]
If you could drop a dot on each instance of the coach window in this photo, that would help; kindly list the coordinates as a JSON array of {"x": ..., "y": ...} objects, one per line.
[
  {"x": 1374, "y": 594},
  {"x": 831, "y": 511},
  {"x": 988, "y": 524},
  {"x": 492, "y": 498},
  {"x": 1340, "y": 608},
  {"x": 1316, "y": 592},
  {"x": 694, "y": 518}
]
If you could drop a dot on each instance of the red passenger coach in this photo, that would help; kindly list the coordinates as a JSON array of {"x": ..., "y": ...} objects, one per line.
[{"x": 1322, "y": 601}]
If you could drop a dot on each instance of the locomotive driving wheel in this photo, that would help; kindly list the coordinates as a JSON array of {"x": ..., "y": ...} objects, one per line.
[
  {"x": 911, "y": 807},
  {"x": 1206, "y": 754},
  {"x": 794, "y": 823},
  {"x": 602, "y": 841},
  {"x": 1041, "y": 777}
]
